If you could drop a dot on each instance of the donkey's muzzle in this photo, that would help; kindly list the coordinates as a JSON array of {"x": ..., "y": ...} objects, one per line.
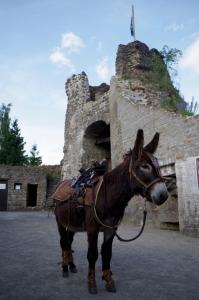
[{"x": 159, "y": 193}]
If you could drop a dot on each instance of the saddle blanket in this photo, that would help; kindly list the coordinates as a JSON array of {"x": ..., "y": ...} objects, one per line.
[{"x": 65, "y": 191}]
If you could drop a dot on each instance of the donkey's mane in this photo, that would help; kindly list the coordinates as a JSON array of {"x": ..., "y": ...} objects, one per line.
[
  {"x": 128, "y": 154},
  {"x": 117, "y": 174}
]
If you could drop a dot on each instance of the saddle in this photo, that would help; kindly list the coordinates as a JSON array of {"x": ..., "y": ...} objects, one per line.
[
  {"x": 65, "y": 191},
  {"x": 81, "y": 189}
]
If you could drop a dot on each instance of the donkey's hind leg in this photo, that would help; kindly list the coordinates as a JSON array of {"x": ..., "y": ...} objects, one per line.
[{"x": 66, "y": 239}]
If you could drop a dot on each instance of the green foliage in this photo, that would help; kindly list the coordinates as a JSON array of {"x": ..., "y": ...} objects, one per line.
[
  {"x": 159, "y": 77},
  {"x": 11, "y": 143},
  {"x": 159, "y": 74},
  {"x": 163, "y": 74},
  {"x": 192, "y": 107},
  {"x": 171, "y": 58},
  {"x": 34, "y": 159},
  {"x": 17, "y": 152}
]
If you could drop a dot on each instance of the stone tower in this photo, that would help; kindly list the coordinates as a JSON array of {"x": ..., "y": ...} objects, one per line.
[{"x": 87, "y": 129}]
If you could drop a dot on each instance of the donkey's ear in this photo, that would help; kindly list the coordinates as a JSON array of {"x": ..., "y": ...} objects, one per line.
[
  {"x": 139, "y": 143},
  {"x": 152, "y": 146}
]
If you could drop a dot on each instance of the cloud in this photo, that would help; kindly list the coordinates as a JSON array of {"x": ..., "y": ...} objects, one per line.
[
  {"x": 58, "y": 57},
  {"x": 71, "y": 42},
  {"x": 102, "y": 69},
  {"x": 175, "y": 27},
  {"x": 190, "y": 59}
]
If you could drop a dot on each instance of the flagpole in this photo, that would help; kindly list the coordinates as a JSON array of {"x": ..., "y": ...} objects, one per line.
[
  {"x": 132, "y": 26},
  {"x": 133, "y": 20}
]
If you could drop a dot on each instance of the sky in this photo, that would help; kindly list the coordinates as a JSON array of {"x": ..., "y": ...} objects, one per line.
[{"x": 44, "y": 42}]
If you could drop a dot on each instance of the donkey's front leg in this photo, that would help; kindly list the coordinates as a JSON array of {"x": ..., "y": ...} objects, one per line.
[
  {"x": 92, "y": 256},
  {"x": 106, "y": 253}
]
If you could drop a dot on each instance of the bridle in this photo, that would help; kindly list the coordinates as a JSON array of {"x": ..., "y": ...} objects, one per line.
[{"x": 145, "y": 186}]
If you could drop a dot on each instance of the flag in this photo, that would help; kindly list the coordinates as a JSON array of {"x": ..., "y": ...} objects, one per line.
[{"x": 132, "y": 26}]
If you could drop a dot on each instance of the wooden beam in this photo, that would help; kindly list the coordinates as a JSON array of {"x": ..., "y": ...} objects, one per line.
[{"x": 102, "y": 141}]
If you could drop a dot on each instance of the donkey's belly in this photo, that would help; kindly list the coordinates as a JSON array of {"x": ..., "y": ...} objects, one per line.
[
  {"x": 76, "y": 218},
  {"x": 70, "y": 215}
]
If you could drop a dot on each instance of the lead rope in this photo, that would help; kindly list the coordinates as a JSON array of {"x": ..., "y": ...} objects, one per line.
[
  {"x": 141, "y": 230},
  {"x": 115, "y": 227}
]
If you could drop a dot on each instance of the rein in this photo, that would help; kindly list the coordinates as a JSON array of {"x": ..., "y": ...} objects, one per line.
[{"x": 115, "y": 227}]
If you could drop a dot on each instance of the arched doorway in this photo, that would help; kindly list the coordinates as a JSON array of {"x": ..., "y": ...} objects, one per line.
[{"x": 96, "y": 143}]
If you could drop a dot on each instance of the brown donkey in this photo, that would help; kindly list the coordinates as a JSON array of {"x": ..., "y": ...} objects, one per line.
[{"x": 104, "y": 205}]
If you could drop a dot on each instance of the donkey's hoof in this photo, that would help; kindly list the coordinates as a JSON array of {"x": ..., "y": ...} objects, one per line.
[
  {"x": 72, "y": 268},
  {"x": 65, "y": 271},
  {"x": 110, "y": 284},
  {"x": 65, "y": 274},
  {"x": 92, "y": 290}
]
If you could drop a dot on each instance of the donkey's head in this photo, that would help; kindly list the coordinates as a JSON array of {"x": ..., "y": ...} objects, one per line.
[{"x": 144, "y": 170}]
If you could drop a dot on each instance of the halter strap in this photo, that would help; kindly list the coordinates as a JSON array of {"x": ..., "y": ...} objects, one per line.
[{"x": 143, "y": 184}]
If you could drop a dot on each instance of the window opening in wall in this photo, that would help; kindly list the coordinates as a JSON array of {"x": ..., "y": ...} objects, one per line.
[
  {"x": 17, "y": 186},
  {"x": 32, "y": 195}
]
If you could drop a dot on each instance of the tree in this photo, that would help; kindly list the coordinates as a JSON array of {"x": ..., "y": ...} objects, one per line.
[
  {"x": 171, "y": 57},
  {"x": 4, "y": 132},
  {"x": 17, "y": 153},
  {"x": 11, "y": 143},
  {"x": 34, "y": 159}
]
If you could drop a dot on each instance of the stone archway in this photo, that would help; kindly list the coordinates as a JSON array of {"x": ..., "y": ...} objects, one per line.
[{"x": 96, "y": 143}]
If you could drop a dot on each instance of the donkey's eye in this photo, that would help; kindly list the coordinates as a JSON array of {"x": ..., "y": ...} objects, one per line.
[{"x": 146, "y": 167}]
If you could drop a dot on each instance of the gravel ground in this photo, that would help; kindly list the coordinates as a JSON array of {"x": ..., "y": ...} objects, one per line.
[{"x": 160, "y": 265}]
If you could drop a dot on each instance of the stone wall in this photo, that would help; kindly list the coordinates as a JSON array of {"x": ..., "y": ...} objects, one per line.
[
  {"x": 179, "y": 139},
  {"x": 188, "y": 195},
  {"x": 17, "y": 199},
  {"x": 132, "y": 58},
  {"x": 53, "y": 176},
  {"x": 179, "y": 136}
]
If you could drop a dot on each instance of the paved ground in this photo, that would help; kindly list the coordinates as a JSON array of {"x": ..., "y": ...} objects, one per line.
[{"x": 161, "y": 265}]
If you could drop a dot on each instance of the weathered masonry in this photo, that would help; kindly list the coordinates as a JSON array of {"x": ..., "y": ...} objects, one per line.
[
  {"x": 22, "y": 187},
  {"x": 87, "y": 134},
  {"x": 27, "y": 187},
  {"x": 102, "y": 122}
]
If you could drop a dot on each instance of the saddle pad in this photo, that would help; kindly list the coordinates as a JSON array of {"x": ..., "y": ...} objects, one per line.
[{"x": 63, "y": 191}]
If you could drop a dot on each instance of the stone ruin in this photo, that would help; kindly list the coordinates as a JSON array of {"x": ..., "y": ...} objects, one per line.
[{"x": 102, "y": 121}]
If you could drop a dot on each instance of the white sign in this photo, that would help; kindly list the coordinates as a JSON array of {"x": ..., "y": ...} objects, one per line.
[{"x": 2, "y": 186}]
